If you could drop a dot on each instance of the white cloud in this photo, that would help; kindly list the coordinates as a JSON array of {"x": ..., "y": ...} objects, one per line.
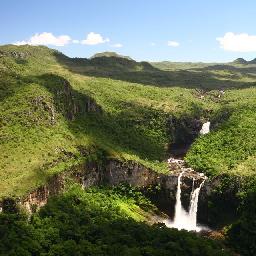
[
  {"x": 94, "y": 38},
  {"x": 75, "y": 41},
  {"x": 238, "y": 42},
  {"x": 173, "y": 44},
  {"x": 20, "y": 42},
  {"x": 46, "y": 39},
  {"x": 117, "y": 45}
]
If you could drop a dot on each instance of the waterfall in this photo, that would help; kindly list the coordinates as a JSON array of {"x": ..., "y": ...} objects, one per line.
[
  {"x": 180, "y": 213},
  {"x": 193, "y": 184},
  {"x": 205, "y": 128},
  {"x": 194, "y": 205},
  {"x": 182, "y": 218}
]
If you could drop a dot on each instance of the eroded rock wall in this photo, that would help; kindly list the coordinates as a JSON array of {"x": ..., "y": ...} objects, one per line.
[
  {"x": 39, "y": 197},
  {"x": 219, "y": 200},
  {"x": 161, "y": 188}
]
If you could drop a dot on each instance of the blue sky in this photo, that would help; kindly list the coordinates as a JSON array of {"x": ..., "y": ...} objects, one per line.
[{"x": 175, "y": 30}]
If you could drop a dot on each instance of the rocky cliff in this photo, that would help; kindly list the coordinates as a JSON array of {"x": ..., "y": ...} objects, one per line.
[
  {"x": 114, "y": 172},
  {"x": 161, "y": 188},
  {"x": 219, "y": 200}
]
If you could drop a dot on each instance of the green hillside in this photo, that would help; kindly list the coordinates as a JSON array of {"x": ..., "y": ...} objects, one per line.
[
  {"x": 231, "y": 146},
  {"x": 44, "y": 121},
  {"x": 110, "y": 54},
  {"x": 57, "y": 112}
]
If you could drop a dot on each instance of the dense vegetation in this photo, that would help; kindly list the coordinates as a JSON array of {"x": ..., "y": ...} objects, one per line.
[
  {"x": 231, "y": 146},
  {"x": 96, "y": 222}
]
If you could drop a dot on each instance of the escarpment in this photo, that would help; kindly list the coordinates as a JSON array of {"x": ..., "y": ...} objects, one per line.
[
  {"x": 161, "y": 188},
  {"x": 66, "y": 100}
]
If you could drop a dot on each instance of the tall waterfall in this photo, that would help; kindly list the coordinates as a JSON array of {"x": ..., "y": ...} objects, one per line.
[
  {"x": 180, "y": 213},
  {"x": 182, "y": 218}
]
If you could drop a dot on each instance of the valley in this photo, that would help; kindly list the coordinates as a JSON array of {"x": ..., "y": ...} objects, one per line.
[{"x": 86, "y": 142}]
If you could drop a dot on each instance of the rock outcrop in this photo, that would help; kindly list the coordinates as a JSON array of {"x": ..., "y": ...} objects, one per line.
[
  {"x": 219, "y": 200},
  {"x": 39, "y": 197},
  {"x": 161, "y": 188},
  {"x": 114, "y": 172},
  {"x": 65, "y": 100}
]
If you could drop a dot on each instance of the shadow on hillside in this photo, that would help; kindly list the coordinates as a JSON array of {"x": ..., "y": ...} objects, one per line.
[
  {"x": 235, "y": 72},
  {"x": 130, "y": 130},
  {"x": 144, "y": 73},
  {"x": 242, "y": 69}
]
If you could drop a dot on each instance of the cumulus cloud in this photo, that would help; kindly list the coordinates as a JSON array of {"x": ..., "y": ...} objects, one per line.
[
  {"x": 238, "y": 42},
  {"x": 94, "y": 38},
  {"x": 117, "y": 45},
  {"x": 46, "y": 38},
  {"x": 173, "y": 43}
]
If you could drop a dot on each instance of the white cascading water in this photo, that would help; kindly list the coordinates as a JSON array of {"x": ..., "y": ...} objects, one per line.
[
  {"x": 193, "y": 184},
  {"x": 182, "y": 218},
  {"x": 194, "y": 204},
  {"x": 205, "y": 128},
  {"x": 180, "y": 213}
]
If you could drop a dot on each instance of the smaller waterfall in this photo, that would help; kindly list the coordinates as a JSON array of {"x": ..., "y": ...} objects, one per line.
[
  {"x": 205, "y": 128},
  {"x": 182, "y": 218}
]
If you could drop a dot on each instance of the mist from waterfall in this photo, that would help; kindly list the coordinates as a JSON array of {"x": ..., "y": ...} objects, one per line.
[{"x": 182, "y": 218}]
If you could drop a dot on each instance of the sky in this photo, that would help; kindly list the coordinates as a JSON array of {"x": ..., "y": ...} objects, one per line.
[{"x": 151, "y": 30}]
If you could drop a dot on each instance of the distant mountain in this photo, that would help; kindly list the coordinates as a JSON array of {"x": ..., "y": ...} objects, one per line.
[
  {"x": 253, "y": 61},
  {"x": 110, "y": 54},
  {"x": 240, "y": 61},
  {"x": 114, "y": 62}
]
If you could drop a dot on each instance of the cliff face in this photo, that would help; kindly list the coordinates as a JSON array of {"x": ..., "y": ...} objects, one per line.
[
  {"x": 39, "y": 197},
  {"x": 36, "y": 198},
  {"x": 213, "y": 207},
  {"x": 92, "y": 174},
  {"x": 219, "y": 201},
  {"x": 162, "y": 186},
  {"x": 64, "y": 99},
  {"x": 131, "y": 173}
]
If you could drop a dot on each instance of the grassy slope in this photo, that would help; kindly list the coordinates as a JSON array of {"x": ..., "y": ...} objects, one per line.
[
  {"x": 133, "y": 123},
  {"x": 132, "y": 126},
  {"x": 231, "y": 146},
  {"x": 211, "y": 75}
]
